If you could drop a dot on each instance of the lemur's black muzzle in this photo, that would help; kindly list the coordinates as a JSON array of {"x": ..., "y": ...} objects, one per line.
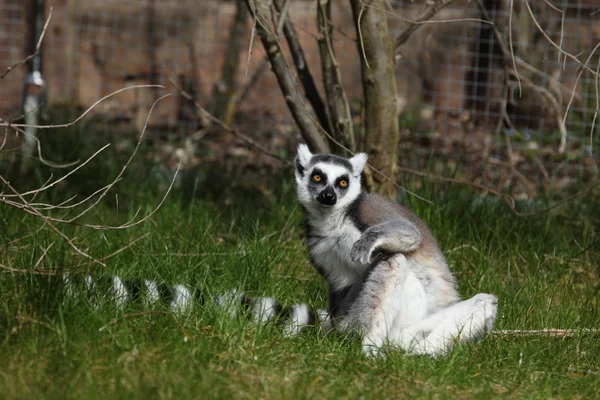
[{"x": 327, "y": 196}]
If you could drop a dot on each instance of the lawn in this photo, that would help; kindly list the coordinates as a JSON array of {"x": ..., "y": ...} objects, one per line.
[{"x": 544, "y": 270}]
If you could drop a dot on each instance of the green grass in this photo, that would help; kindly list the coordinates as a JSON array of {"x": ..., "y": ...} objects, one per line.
[{"x": 544, "y": 270}]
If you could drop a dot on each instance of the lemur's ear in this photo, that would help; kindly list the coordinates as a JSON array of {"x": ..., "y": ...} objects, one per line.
[
  {"x": 358, "y": 163},
  {"x": 303, "y": 159}
]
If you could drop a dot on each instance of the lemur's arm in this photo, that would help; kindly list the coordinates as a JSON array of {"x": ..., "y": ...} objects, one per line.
[{"x": 395, "y": 236}]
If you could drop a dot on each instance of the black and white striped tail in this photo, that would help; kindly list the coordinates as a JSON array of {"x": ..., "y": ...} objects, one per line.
[{"x": 182, "y": 299}]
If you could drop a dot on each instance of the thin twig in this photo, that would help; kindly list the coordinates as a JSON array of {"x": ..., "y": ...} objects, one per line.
[
  {"x": 360, "y": 36},
  {"x": 432, "y": 8},
  {"x": 43, "y": 255},
  {"x": 35, "y": 232},
  {"x": 283, "y": 12},
  {"x": 551, "y": 332},
  {"x": 507, "y": 199},
  {"x": 261, "y": 11},
  {"x": 233, "y": 253},
  {"x": 549, "y": 96},
  {"x": 48, "y": 186},
  {"x": 48, "y": 222},
  {"x": 242, "y": 92},
  {"x": 37, "y": 47},
  {"x": 60, "y": 269},
  {"x": 86, "y": 112},
  {"x": 340, "y": 116},
  {"x": 204, "y": 113},
  {"x": 510, "y": 41},
  {"x": 563, "y": 139},
  {"x": 126, "y": 166},
  {"x": 549, "y": 39},
  {"x": 302, "y": 68}
]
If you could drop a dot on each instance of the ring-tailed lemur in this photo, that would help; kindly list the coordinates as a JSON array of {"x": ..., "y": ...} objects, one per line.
[
  {"x": 181, "y": 299},
  {"x": 387, "y": 277}
]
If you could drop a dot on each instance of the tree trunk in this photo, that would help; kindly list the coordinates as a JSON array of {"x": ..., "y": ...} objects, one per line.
[
  {"x": 305, "y": 122},
  {"x": 310, "y": 89},
  {"x": 376, "y": 50},
  {"x": 223, "y": 106}
]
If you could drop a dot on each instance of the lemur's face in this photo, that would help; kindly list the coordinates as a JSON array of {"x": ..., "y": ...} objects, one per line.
[{"x": 327, "y": 181}]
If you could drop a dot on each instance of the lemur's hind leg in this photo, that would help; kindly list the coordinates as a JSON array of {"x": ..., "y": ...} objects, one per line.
[
  {"x": 461, "y": 322},
  {"x": 389, "y": 291}
]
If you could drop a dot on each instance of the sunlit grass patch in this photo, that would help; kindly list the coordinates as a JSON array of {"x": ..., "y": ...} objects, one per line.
[{"x": 544, "y": 269}]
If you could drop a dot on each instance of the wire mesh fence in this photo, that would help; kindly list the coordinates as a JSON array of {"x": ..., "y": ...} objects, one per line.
[{"x": 457, "y": 99}]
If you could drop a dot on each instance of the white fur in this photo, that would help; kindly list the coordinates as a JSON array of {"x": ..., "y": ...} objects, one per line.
[
  {"x": 404, "y": 302},
  {"x": 304, "y": 155},
  {"x": 336, "y": 235},
  {"x": 299, "y": 320},
  {"x": 407, "y": 301},
  {"x": 89, "y": 283},
  {"x": 230, "y": 302},
  {"x": 152, "y": 293},
  {"x": 325, "y": 320},
  {"x": 264, "y": 309},
  {"x": 406, "y": 320},
  {"x": 120, "y": 294},
  {"x": 358, "y": 163},
  {"x": 182, "y": 299},
  {"x": 333, "y": 171},
  {"x": 463, "y": 321},
  {"x": 68, "y": 283},
  {"x": 90, "y": 288}
]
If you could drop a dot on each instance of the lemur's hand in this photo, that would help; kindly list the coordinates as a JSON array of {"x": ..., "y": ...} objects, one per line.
[{"x": 364, "y": 248}]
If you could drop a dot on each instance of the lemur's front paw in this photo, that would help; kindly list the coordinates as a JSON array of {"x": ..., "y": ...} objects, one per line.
[{"x": 362, "y": 251}]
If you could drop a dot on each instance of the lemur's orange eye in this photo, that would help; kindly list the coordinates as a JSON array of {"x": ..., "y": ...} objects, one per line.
[
  {"x": 343, "y": 183},
  {"x": 316, "y": 178}
]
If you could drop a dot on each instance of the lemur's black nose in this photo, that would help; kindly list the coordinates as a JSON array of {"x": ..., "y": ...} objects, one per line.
[{"x": 327, "y": 196}]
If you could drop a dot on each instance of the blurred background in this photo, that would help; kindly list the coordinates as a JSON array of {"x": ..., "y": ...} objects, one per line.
[{"x": 458, "y": 114}]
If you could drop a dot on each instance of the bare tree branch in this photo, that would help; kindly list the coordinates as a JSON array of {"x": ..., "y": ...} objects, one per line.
[
  {"x": 27, "y": 207},
  {"x": 337, "y": 101},
  {"x": 223, "y": 102},
  {"x": 432, "y": 8},
  {"x": 308, "y": 128},
  {"x": 205, "y": 114},
  {"x": 310, "y": 89},
  {"x": 37, "y": 48},
  {"x": 242, "y": 93},
  {"x": 86, "y": 112},
  {"x": 509, "y": 62}
]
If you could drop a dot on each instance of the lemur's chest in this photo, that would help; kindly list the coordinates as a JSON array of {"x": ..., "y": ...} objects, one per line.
[{"x": 330, "y": 245}]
